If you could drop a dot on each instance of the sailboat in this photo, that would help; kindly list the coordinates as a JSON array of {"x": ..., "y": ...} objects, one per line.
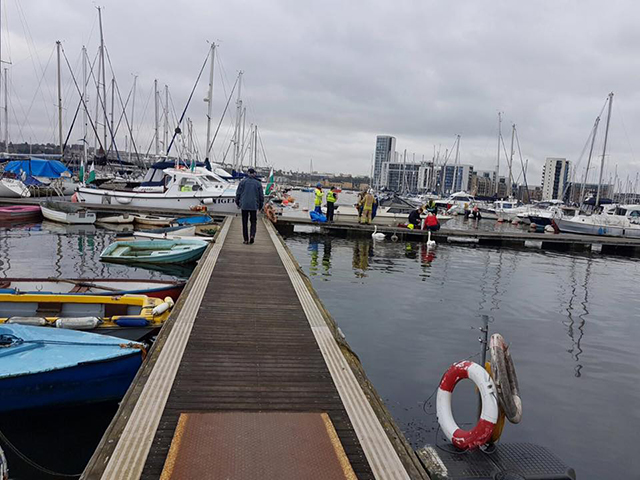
[{"x": 625, "y": 223}]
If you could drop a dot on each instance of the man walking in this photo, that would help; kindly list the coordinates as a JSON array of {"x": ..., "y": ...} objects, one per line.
[
  {"x": 331, "y": 203},
  {"x": 249, "y": 199}
]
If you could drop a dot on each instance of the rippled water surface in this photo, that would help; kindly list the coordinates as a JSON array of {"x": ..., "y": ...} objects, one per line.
[{"x": 573, "y": 323}]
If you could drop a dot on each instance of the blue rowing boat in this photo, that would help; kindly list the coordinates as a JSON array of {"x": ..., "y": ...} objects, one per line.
[
  {"x": 154, "y": 251},
  {"x": 194, "y": 220},
  {"x": 46, "y": 367}
]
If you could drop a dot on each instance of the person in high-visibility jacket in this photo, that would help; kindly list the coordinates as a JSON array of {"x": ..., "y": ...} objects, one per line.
[
  {"x": 331, "y": 203},
  {"x": 318, "y": 198},
  {"x": 367, "y": 207}
]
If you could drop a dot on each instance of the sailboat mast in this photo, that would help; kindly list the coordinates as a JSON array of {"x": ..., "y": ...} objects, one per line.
[
  {"x": 165, "y": 146},
  {"x": 604, "y": 149},
  {"x": 498, "y": 161},
  {"x": 210, "y": 102},
  {"x": 255, "y": 146},
  {"x": 236, "y": 156},
  {"x": 58, "y": 46},
  {"x": 455, "y": 166},
  {"x": 6, "y": 112},
  {"x": 104, "y": 81},
  {"x": 586, "y": 172},
  {"x": 157, "y": 116},
  {"x": 113, "y": 104},
  {"x": 133, "y": 107},
  {"x": 84, "y": 113},
  {"x": 509, "y": 180}
]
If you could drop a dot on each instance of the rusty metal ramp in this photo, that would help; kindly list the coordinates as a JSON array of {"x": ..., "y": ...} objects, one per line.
[{"x": 251, "y": 445}]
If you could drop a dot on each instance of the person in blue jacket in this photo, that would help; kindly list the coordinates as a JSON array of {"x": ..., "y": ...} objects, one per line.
[{"x": 249, "y": 199}]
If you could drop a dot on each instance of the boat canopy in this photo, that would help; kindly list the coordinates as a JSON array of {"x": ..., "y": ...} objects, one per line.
[{"x": 38, "y": 167}]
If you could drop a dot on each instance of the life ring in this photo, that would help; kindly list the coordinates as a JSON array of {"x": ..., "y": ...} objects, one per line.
[
  {"x": 481, "y": 433},
  {"x": 505, "y": 377}
]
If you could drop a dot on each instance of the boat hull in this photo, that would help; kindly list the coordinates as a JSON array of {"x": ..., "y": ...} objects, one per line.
[
  {"x": 12, "y": 188},
  {"x": 88, "y": 286},
  {"x": 104, "y": 380},
  {"x": 568, "y": 226},
  {"x": 214, "y": 203},
  {"x": 78, "y": 218},
  {"x": 133, "y": 253},
  {"x": 19, "y": 213}
]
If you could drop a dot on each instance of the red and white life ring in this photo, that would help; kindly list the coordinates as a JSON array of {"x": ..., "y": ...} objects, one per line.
[{"x": 481, "y": 433}]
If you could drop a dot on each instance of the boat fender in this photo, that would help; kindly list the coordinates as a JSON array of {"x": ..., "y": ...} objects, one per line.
[
  {"x": 161, "y": 308},
  {"x": 36, "y": 321},
  {"x": 132, "y": 322},
  {"x": 207, "y": 201},
  {"x": 481, "y": 433},
  {"x": 497, "y": 430},
  {"x": 505, "y": 377},
  {"x": 78, "y": 323}
]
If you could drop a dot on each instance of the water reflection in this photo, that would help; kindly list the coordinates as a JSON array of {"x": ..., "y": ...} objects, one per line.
[
  {"x": 318, "y": 266},
  {"x": 576, "y": 323}
]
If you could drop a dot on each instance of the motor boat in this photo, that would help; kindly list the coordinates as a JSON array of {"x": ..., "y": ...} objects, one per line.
[
  {"x": 183, "y": 189},
  {"x": 625, "y": 222}
]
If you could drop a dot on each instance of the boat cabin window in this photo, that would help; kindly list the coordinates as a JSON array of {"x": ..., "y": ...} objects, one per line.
[
  {"x": 189, "y": 185},
  {"x": 635, "y": 214}
]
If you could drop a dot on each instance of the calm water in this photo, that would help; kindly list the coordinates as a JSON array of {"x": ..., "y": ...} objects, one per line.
[
  {"x": 573, "y": 323},
  {"x": 64, "y": 439}
]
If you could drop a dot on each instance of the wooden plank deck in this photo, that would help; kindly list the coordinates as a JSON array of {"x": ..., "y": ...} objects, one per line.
[{"x": 257, "y": 343}]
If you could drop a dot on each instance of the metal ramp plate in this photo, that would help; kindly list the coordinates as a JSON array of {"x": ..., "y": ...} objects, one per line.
[
  {"x": 250, "y": 445},
  {"x": 509, "y": 461}
]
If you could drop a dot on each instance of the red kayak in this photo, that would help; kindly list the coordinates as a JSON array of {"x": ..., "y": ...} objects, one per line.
[{"x": 19, "y": 213}]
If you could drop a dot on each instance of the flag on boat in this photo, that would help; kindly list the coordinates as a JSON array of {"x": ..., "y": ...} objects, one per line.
[
  {"x": 270, "y": 183},
  {"x": 81, "y": 173},
  {"x": 92, "y": 173}
]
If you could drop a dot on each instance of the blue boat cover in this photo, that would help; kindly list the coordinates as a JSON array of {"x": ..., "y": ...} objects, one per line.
[
  {"x": 37, "y": 167},
  {"x": 44, "y": 349},
  {"x": 195, "y": 220},
  {"x": 317, "y": 217}
]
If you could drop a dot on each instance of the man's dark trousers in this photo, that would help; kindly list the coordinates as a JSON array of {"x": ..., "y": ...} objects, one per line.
[
  {"x": 330, "y": 209},
  {"x": 245, "y": 220}
]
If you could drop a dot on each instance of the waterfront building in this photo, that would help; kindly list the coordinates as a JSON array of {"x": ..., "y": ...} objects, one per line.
[
  {"x": 455, "y": 178},
  {"x": 385, "y": 152},
  {"x": 555, "y": 177},
  {"x": 400, "y": 176},
  {"x": 482, "y": 184}
]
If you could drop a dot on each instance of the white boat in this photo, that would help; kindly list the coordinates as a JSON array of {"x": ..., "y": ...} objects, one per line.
[
  {"x": 460, "y": 200},
  {"x": 13, "y": 188},
  {"x": 384, "y": 215},
  {"x": 67, "y": 213},
  {"x": 125, "y": 218},
  {"x": 508, "y": 209},
  {"x": 153, "y": 220},
  {"x": 182, "y": 190},
  {"x": 624, "y": 223}
]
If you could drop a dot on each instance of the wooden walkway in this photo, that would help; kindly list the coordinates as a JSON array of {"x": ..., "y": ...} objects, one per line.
[{"x": 249, "y": 337}]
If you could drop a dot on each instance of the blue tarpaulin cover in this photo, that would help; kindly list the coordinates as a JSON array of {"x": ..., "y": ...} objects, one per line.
[{"x": 37, "y": 167}]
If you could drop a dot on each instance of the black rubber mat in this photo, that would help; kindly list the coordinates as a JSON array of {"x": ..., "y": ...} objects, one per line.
[{"x": 508, "y": 461}]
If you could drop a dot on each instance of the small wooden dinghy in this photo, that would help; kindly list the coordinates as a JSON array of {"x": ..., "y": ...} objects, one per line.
[
  {"x": 154, "y": 251},
  {"x": 19, "y": 213},
  {"x": 125, "y": 316},
  {"x": 153, "y": 220},
  {"x": 194, "y": 220},
  {"x": 94, "y": 286},
  {"x": 125, "y": 218},
  {"x": 44, "y": 367},
  {"x": 67, "y": 213}
]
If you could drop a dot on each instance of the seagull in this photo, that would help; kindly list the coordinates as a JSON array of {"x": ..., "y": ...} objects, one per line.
[{"x": 377, "y": 236}]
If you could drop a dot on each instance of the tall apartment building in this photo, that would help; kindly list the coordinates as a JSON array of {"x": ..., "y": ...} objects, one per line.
[
  {"x": 385, "y": 152},
  {"x": 555, "y": 176},
  {"x": 455, "y": 178}
]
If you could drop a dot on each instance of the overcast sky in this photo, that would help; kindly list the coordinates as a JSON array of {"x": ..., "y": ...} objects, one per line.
[{"x": 322, "y": 79}]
